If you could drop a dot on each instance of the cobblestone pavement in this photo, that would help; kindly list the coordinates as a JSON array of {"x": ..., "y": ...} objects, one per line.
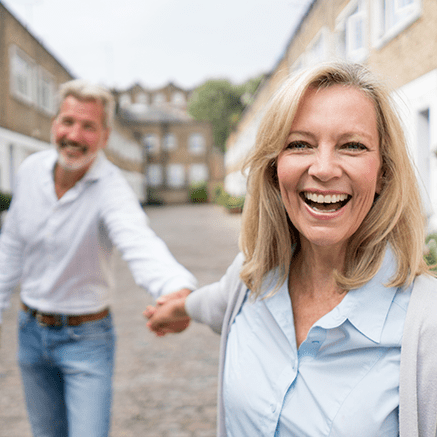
[{"x": 163, "y": 387}]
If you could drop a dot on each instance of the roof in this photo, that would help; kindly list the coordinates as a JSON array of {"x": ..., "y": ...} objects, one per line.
[{"x": 139, "y": 113}]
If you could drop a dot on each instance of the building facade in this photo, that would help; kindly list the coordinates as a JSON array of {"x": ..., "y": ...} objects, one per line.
[
  {"x": 178, "y": 150},
  {"x": 397, "y": 39},
  {"x": 29, "y": 80}
]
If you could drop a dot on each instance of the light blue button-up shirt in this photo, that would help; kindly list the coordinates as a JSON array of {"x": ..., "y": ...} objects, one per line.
[{"x": 342, "y": 381}]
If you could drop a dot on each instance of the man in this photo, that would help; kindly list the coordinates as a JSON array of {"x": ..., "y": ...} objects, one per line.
[{"x": 70, "y": 207}]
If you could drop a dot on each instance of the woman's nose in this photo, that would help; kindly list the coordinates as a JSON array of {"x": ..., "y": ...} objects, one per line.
[{"x": 325, "y": 165}]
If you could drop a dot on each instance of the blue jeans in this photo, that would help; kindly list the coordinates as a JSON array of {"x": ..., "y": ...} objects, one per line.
[{"x": 67, "y": 376}]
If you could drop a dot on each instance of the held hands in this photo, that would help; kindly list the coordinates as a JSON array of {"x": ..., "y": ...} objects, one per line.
[{"x": 168, "y": 316}]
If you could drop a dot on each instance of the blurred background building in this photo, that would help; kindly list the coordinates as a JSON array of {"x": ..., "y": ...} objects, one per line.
[
  {"x": 178, "y": 151},
  {"x": 162, "y": 150},
  {"x": 397, "y": 39}
]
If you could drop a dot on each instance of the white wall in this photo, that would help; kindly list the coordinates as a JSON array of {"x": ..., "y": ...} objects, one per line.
[{"x": 14, "y": 149}]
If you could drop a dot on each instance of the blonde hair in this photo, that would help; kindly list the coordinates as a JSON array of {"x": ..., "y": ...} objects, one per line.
[
  {"x": 268, "y": 237},
  {"x": 83, "y": 90}
]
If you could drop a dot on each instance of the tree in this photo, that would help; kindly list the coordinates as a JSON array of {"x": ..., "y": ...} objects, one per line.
[{"x": 221, "y": 103}]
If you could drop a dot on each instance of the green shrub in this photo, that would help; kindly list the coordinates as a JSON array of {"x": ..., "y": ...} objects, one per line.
[
  {"x": 235, "y": 202},
  {"x": 5, "y": 201},
  {"x": 220, "y": 195},
  {"x": 431, "y": 250},
  {"x": 199, "y": 192},
  {"x": 222, "y": 198}
]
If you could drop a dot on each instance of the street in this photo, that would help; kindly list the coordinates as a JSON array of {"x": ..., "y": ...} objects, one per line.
[{"x": 163, "y": 387}]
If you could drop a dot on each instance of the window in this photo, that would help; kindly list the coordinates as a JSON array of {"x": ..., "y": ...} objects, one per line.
[
  {"x": 196, "y": 144},
  {"x": 170, "y": 142},
  {"x": 154, "y": 175},
  {"x": 176, "y": 175},
  {"x": 351, "y": 32},
  {"x": 424, "y": 148},
  {"x": 151, "y": 143},
  {"x": 23, "y": 76},
  {"x": 178, "y": 99},
  {"x": 46, "y": 92},
  {"x": 393, "y": 16},
  {"x": 125, "y": 100},
  {"x": 298, "y": 64},
  {"x": 198, "y": 173},
  {"x": 318, "y": 50}
]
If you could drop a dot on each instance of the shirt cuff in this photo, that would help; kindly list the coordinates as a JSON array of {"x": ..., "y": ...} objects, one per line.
[{"x": 177, "y": 284}]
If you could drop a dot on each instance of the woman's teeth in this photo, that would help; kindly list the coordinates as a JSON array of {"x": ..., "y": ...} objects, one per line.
[
  {"x": 328, "y": 203},
  {"x": 330, "y": 198}
]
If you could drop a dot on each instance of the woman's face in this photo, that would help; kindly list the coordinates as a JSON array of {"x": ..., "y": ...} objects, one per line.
[{"x": 330, "y": 168}]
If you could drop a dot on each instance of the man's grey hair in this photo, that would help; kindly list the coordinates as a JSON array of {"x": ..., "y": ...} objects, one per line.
[{"x": 83, "y": 90}]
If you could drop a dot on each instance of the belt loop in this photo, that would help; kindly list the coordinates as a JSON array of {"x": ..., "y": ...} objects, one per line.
[
  {"x": 39, "y": 319},
  {"x": 63, "y": 319}
]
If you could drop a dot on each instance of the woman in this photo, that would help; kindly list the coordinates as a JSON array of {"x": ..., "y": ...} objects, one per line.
[{"x": 313, "y": 312}]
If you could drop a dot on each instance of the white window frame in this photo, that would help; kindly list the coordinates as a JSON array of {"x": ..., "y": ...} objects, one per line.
[
  {"x": 46, "y": 84},
  {"x": 319, "y": 48},
  {"x": 353, "y": 15},
  {"x": 196, "y": 144},
  {"x": 125, "y": 100},
  {"x": 298, "y": 64},
  {"x": 198, "y": 173},
  {"x": 175, "y": 175},
  {"x": 178, "y": 98},
  {"x": 151, "y": 143},
  {"x": 155, "y": 175},
  {"x": 30, "y": 77},
  {"x": 170, "y": 142},
  {"x": 402, "y": 16}
]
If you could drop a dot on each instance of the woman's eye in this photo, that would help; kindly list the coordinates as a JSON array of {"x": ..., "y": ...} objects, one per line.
[
  {"x": 355, "y": 146},
  {"x": 297, "y": 145}
]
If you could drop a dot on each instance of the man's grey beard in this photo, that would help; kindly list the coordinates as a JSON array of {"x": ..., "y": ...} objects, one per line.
[{"x": 84, "y": 161}]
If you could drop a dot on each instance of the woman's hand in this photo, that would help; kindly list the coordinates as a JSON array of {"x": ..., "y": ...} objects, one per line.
[{"x": 169, "y": 315}]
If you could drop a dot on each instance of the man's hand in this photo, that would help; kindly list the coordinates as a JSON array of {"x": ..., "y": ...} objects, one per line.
[{"x": 168, "y": 316}]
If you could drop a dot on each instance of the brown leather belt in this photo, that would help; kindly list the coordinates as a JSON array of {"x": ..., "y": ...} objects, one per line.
[{"x": 47, "y": 319}]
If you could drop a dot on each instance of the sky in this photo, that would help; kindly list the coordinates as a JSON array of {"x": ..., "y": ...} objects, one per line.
[{"x": 118, "y": 43}]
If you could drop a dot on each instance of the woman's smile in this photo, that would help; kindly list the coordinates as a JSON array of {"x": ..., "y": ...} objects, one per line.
[{"x": 325, "y": 203}]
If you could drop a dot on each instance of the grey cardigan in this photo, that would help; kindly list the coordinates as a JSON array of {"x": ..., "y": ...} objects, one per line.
[{"x": 218, "y": 304}]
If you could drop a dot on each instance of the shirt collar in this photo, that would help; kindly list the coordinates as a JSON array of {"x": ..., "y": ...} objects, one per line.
[
  {"x": 50, "y": 161},
  {"x": 96, "y": 170},
  {"x": 367, "y": 307}
]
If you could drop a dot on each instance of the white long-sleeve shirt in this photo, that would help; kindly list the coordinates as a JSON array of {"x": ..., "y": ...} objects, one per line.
[{"x": 60, "y": 250}]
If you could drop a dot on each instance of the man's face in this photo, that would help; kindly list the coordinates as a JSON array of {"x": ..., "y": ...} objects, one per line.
[{"x": 79, "y": 133}]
